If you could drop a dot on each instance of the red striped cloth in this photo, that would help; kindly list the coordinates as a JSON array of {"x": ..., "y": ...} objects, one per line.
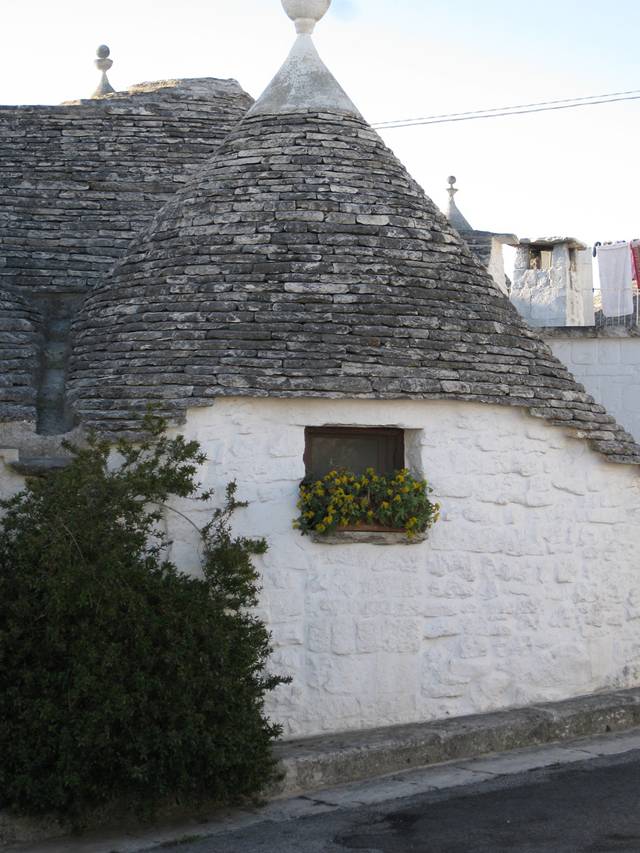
[{"x": 635, "y": 254}]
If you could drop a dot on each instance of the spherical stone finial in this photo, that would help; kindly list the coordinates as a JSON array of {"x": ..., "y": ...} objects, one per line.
[
  {"x": 306, "y": 13},
  {"x": 452, "y": 189},
  {"x": 103, "y": 64}
]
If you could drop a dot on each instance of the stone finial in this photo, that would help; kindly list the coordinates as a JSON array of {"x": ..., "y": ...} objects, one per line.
[
  {"x": 453, "y": 214},
  {"x": 306, "y": 13},
  {"x": 304, "y": 83},
  {"x": 103, "y": 64},
  {"x": 452, "y": 189}
]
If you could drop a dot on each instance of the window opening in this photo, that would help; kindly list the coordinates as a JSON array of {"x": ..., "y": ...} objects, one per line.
[{"x": 353, "y": 448}]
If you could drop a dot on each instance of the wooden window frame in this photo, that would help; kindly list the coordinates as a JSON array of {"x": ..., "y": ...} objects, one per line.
[{"x": 394, "y": 453}]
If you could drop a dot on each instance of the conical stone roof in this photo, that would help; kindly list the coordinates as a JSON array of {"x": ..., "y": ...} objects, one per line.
[{"x": 304, "y": 261}]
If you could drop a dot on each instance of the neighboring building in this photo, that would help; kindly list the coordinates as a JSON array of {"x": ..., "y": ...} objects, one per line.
[
  {"x": 552, "y": 290},
  {"x": 485, "y": 245},
  {"x": 299, "y": 278},
  {"x": 553, "y": 282},
  {"x": 78, "y": 182}
]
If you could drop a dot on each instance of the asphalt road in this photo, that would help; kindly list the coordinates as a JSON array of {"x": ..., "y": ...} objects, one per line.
[{"x": 588, "y": 807}]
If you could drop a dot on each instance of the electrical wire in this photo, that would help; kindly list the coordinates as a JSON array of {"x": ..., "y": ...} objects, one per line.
[{"x": 519, "y": 109}]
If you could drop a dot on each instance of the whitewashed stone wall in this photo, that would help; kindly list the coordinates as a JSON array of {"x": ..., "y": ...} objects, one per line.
[
  {"x": 496, "y": 265},
  {"x": 528, "y": 589},
  {"x": 559, "y": 296},
  {"x": 609, "y": 368}
]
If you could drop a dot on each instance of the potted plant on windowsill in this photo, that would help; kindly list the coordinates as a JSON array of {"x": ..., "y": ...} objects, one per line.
[{"x": 344, "y": 506}]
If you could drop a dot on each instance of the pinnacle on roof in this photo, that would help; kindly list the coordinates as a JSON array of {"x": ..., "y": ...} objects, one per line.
[
  {"x": 453, "y": 214},
  {"x": 103, "y": 64},
  {"x": 304, "y": 83}
]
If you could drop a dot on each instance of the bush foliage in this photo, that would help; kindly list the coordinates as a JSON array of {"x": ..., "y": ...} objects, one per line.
[{"x": 122, "y": 678}]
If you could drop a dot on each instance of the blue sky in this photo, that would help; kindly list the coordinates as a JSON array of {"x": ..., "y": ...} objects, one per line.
[{"x": 574, "y": 172}]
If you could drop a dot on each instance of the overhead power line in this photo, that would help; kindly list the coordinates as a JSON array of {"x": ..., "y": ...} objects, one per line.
[{"x": 518, "y": 109}]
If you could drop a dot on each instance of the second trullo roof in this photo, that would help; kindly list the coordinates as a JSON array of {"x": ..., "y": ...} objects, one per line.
[{"x": 304, "y": 261}]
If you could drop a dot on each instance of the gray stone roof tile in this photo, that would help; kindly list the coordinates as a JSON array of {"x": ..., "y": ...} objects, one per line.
[{"x": 304, "y": 261}]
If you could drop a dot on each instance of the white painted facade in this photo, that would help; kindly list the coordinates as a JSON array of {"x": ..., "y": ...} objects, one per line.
[
  {"x": 527, "y": 590},
  {"x": 496, "y": 264},
  {"x": 609, "y": 369}
]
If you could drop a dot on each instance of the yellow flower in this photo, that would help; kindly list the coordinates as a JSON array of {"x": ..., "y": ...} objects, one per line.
[
  {"x": 370, "y": 514},
  {"x": 321, "y": 528},
  {"x": 397, "y": 499},
  {"x": 405, "y": 490},
  {"x": 385, "y": 505}
]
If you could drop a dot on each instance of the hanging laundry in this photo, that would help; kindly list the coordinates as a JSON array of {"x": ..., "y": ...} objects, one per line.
[
  {"x": 635, "y": 257},
  {"x": 614, "y": 262}
]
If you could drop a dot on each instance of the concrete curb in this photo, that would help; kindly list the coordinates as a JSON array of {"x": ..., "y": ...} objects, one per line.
[{"x": 311, "y": 764}]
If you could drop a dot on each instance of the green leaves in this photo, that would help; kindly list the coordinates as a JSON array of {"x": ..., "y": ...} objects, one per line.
[
  {"x": 343, "y": 499},
  {"x": 122, "y": 678}
]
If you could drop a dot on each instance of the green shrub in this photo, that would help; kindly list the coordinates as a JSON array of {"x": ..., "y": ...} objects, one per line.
[
  {"x": 344, "y": 499},
  {"x": 122, "y": 678}
]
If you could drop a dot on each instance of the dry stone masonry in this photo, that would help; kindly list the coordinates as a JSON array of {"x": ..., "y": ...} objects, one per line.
[
  {"x": 304, "y": 261},
  {"x": 77, "y": 182}
]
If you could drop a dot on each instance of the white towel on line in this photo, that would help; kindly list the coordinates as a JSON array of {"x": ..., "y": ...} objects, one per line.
[{"x": 614, "y": 264}]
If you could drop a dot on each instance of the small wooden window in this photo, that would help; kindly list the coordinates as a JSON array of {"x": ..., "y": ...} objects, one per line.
[
  {"x": 541, "y": 259},
  {"x": 353, "y": 448}
]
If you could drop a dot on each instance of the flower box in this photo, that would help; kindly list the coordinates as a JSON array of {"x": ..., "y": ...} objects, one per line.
[{"x": 380, "y": 509}]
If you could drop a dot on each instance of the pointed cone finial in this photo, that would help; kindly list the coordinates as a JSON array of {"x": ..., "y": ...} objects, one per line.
[
  {"x": 103, "y": 64},
  {"x": 306, "y": 13},
  {"x": 453, "y": 214},
  {"x": 304, "y": 83}
]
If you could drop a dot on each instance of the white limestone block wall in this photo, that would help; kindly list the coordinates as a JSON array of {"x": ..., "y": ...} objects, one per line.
[
  {"x": 609, "y": 369},
  {"x": 527, "y": 590},
  {"x": 559, "y": 296},
  {"x": 496, "y": 265}
]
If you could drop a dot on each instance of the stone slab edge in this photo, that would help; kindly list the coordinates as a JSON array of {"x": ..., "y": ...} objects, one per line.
[{"x": 311, "y": 764}]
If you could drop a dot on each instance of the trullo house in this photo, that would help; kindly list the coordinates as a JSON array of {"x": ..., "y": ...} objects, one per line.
[{"x": 298, "y": 302}]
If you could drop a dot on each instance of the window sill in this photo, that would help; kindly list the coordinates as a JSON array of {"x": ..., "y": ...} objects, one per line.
[{"x": 368, "y": 536}]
